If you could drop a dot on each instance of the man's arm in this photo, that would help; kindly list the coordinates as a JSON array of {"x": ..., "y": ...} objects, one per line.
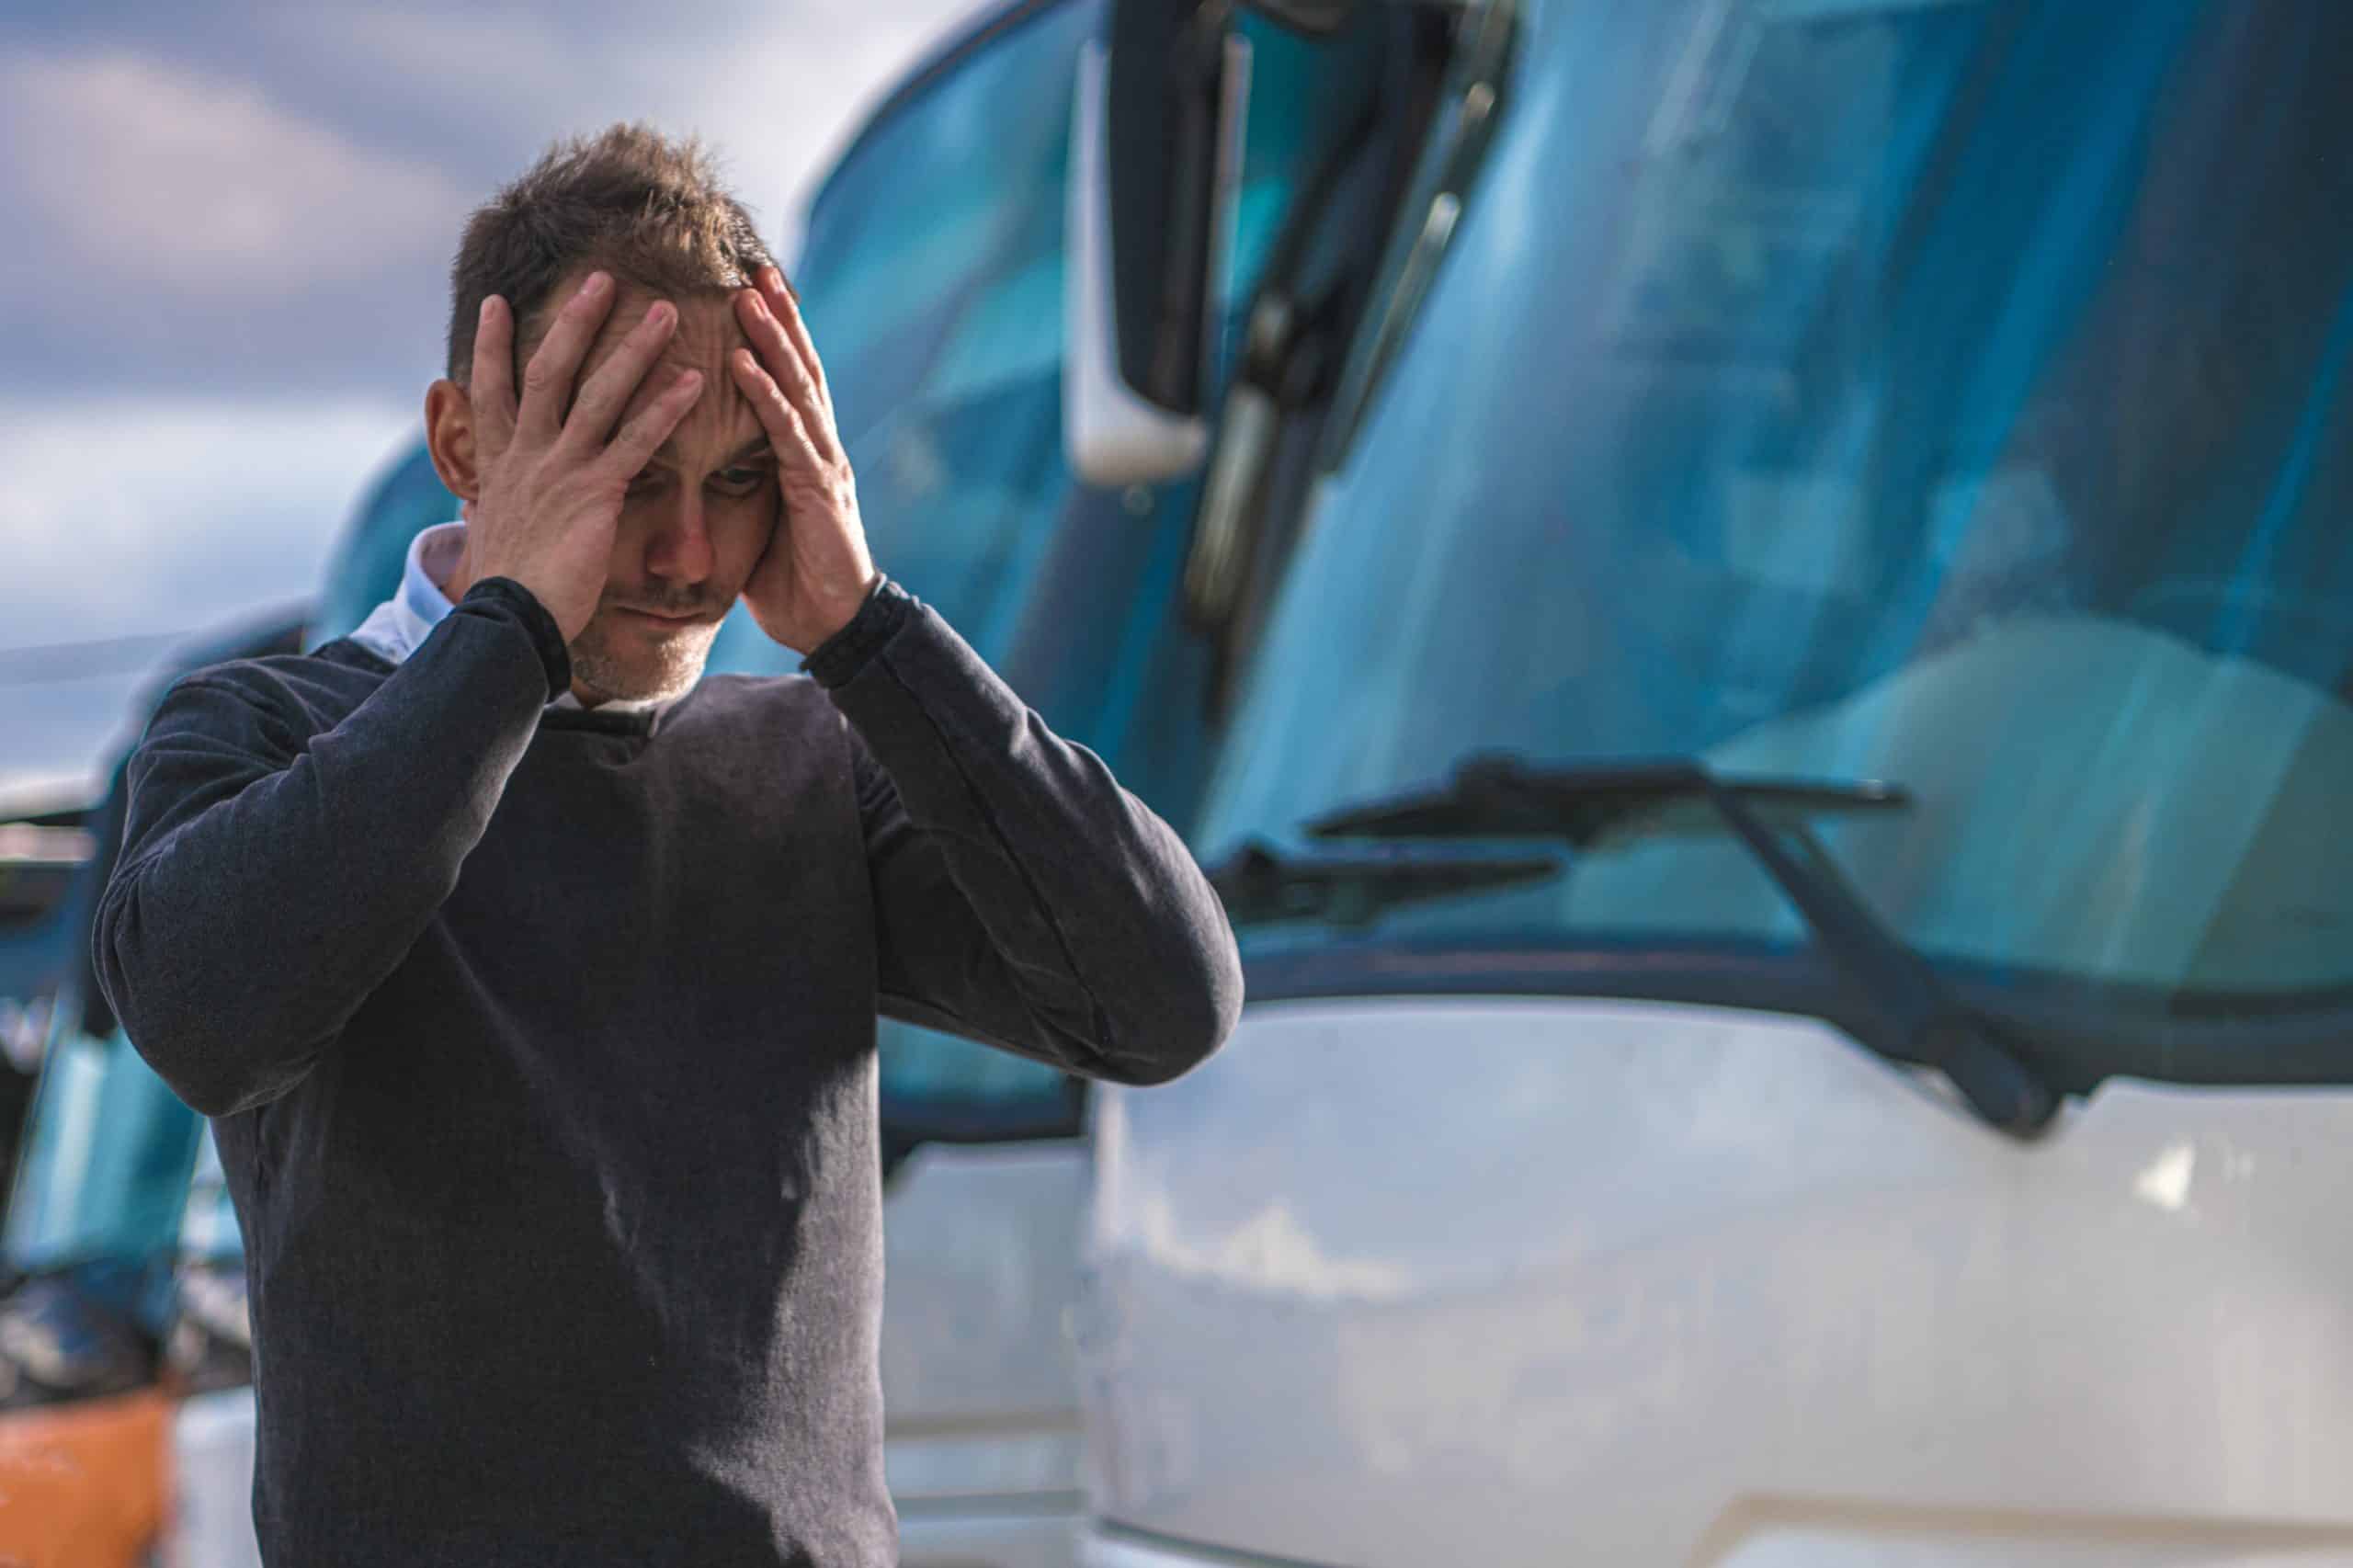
[
  {"x": 1021, "y": 895},
  {"x": 270, "y": 879}
]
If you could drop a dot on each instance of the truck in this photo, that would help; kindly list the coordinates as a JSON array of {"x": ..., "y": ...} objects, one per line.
[
  {"x": 939, "y": 270},
  {"x": 89, "y": 1276},
  {"x": 1784, "y": 815}
]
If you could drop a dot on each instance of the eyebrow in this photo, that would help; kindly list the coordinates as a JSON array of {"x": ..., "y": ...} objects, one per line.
[{"x": 757, "y": 446}]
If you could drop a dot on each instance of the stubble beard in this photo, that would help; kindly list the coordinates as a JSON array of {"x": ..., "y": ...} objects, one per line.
[{"x": 652, "y": 669}]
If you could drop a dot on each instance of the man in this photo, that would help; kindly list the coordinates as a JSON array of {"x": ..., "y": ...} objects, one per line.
[{"x": 531, "y": 982}]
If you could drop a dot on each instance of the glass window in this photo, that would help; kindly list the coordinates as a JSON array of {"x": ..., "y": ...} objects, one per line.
[
  {"x": 108, "y": 1157},
  {"x": 935, "y": 1080},
  {"x": 932, "y": 272},
  {"x": 932, "y": 275},
  {"x": 1945, "y": 393}
]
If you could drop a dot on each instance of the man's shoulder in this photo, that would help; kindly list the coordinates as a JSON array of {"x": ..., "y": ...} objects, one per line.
[{"x": 305, "y": 692}]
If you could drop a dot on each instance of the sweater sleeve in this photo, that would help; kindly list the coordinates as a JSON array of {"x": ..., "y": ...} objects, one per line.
[
  {"x": 1022, "y": 896},
  {"x": 272, "y": 878}
]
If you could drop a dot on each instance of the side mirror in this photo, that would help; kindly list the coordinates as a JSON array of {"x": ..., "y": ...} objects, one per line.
[{"x": 1154, "y": 168}]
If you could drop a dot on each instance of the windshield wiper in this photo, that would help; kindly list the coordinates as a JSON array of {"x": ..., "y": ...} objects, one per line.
[
  {"x": 1261, "y": 886},
  {"x": 1499, "y": 795}
]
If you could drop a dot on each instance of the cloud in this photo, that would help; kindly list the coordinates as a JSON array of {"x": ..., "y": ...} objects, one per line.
[
  {"x": 186, "y": 232},
  {"x": 197, "y": 189},
  {"x": 777, "y": 88},
  {"x": 136, "y": 516},
  {"x": 254, "y": 199},
  {"x": 133, "y": 516}
]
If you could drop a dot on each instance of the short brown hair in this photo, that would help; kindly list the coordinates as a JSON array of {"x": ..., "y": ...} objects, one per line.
[{"x": 648, "y": 210}]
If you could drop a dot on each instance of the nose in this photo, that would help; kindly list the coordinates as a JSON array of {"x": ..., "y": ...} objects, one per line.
[{"x": 677, "y": 550}]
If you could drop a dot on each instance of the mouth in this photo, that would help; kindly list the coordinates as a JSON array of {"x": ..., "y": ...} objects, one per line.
[{"x": 659, "y": 619}]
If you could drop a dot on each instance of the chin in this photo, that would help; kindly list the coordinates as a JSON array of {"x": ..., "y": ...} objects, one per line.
[{"x": 623, "y": 665}]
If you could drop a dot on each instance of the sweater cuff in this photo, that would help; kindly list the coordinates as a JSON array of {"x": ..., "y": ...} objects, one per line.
[
  {"x": 840, "y": 657},
  {"x": 524, "y": 608}
]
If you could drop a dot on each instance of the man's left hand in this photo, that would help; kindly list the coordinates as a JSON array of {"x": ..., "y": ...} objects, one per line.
[{"x": 816, "y": 571}]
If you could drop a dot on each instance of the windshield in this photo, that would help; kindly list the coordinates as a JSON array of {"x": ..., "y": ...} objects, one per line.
[
  {"x": 107, "y": 1155},
  {"x": 1942, "y": 393},
  {"x": 933, "y": 271}
]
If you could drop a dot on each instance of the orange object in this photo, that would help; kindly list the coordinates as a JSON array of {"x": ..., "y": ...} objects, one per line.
[{"x": 85, "y": 1485}]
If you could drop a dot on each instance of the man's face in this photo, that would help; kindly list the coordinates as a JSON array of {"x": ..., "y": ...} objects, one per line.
[{"x": 697, "y": 519}]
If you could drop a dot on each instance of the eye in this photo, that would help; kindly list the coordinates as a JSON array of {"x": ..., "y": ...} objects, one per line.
[
  {"x": 645, "y": 482},
  {"x": 740, "y": 480}
]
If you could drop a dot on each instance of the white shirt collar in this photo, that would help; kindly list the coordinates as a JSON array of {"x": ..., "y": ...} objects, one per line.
[{"x": 396, "y": 627}]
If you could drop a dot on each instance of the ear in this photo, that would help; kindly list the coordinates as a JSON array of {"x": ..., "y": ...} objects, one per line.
[{"x": 449, "y": 436}]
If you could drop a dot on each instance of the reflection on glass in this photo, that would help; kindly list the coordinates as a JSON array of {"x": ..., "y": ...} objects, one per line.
[
  {"x": 1943, "y": 394},
  {"x": 108, "y": 1156},
  {"x": 933, "y": 266}
]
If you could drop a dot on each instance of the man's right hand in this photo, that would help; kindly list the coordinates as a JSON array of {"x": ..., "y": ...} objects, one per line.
[{"x": 553, "y": 481}]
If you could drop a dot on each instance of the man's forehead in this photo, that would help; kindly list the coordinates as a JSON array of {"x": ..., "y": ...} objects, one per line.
[
  {"x": 707, "y": 332},
  {"x": 721, "y": 426}
]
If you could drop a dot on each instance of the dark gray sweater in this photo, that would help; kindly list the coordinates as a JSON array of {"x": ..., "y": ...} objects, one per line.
[{"x": 539, "y": 1045}]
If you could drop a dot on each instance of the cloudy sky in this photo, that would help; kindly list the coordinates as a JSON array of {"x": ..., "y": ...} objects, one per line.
[{"x": 223, "y": 291}]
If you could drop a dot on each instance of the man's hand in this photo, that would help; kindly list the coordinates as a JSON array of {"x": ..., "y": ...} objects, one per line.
[
  {"x": 552, "y": 482},
  {"x": 816, "y": 571}
]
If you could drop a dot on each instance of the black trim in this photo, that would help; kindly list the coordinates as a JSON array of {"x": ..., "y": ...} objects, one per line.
[
  {"x": 2077, "y": 1036},
  {"x": 1795, "y": 984},
  {"x": 1165, "y": 127},
  {"x": 978, "y": 35},
  {"x": 1310, "y": 20},
  {"x": 65, "y": 816}
]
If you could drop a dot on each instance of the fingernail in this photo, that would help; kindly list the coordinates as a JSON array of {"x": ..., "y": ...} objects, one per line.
[
  {"x": 661, "y": 313},
  {"x": 596, "y": 284},
  {"x": 487, "y": 301}
]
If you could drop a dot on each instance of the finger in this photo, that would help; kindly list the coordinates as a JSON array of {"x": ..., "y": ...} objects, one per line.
[
  {"x": 609, "y": 387},
  {"x": 491, "y": 390},
  {"x": 783, "y": 361},
  {"x": 788, "y": 431},
  {"x": 784, "y": 303},
  {"x": 651, "y": 426},
  {"x": 548, "y": 379}
]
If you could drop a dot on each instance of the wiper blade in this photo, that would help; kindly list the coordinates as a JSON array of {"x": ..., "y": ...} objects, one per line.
[
  {"x": 1262, "y": 887},
  {"x": 1501, "y": 796}
]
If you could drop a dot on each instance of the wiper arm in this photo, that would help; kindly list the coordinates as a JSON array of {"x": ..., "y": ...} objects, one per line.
[
  {"x": 1261, "y": 886},
  {"x": 1501, "y": 796}
]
